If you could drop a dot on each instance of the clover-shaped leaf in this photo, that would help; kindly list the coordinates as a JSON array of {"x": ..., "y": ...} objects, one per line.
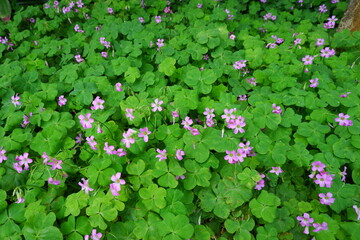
[{"x": 265, "y": 206}]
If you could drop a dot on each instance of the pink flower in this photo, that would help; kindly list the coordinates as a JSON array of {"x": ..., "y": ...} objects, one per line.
[
  {"x": 115, "y": 187},
  {"x": 199, "y": 5},
  {"x": 86, "y": 120},
  {"x": 157, "y": 105},
  {"x": 345, "y": 95},
  {"x": 305, "y": 220},
  {"x": 357, "y": 211},
  {"x": 15, "y": 100},
  {"x": 108, "y": 149},
  {"x": 343, "y": 120},
  {"x": 246, "y": 147},
  {"x": 160, "y": 43},
  {"x": 120, "y": 152},
  {"x": 314, "y": 82},
  {"x": 276, "y": 170},
  {"x": 24, "y": 160},
  {"x": 144, "y": 132},
  {"x": 128, "y": 140},
  {"x": 78, "y": 58},
  {"x": 55, "y": 164},
  {"x": 187, "y": 123},
  {"x": 175, "y": 114},
  {"x": 104, "y": 54},
  {"x": 85, "y": 186},
  {"x": 308, "y": 60},
  {"x": 110, "y": 10},
  {"x": 343, "y": 174},
  {"x": 237, "y": 124},
  {"x": 260, "y": 184},
  {"x": 158, "y": 19},
  {"x": 53, "y": 181},
  {"x": 324, "y": 179},
  {"x": 91, "y": 141},
  {"x": 240, "y": 64},
  {"x": 276, "y": 109},
  {"x": 232, "y": 37},
  {"x": 228, "y": 114},
  {"x": 162, "y": 154},
  {"x": 2, "y": 155},
  {"x": 327, "y": 52},
  {"x": 318, "y": 166},
  {"x": 319, "y": 227},
  {"x": 95, "y": 236},
  {"x": 327, "y": 198},
  {"x": 194, "y": 131},
  {"x": 62, "y": 101},
  {"x": 231, "y": 156},
  {"x": 179, "y": 154},
  {"x": 97, "y": 103},
  {"x": 322, "y": 8},
  {"x": 320, "y": 42},
  {"x": 141, "y": 20},
  {"x": 252, "y": 81},
  {"x": 118, "y": 87},
  {"x": 209, "y": 113},
  {"x": 129, "y": 113}
]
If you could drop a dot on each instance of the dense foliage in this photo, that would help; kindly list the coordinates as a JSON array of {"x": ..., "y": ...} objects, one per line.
[{"x": 181, "y": 120}]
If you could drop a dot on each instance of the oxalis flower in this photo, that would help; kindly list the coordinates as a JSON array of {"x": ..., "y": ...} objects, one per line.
[{"x": 115, "y": 187}]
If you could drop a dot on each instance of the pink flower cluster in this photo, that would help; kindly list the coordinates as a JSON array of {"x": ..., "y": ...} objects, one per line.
[
  {"x": 269, "y": 16},
  {"x": 244, "y": 150},
  {"x": 105, "y": 43},
  {"x": 160, "y": 43},
  {"x": 322, "y": 178},
  {"x": 343, "y": 120},
  {"x": 327, "y": 52},
  {"x": 234, "y": 122},
  {"x": 239, "y": 64},
  {"x": 330, "y": 23},
  {"x": 209, "y": 113},
  {"x": 306, "y": 221},
  {"x": 187, "y": 122},
  {"x": 94, "y": 235},
  {"x": 230, "y": 16}
]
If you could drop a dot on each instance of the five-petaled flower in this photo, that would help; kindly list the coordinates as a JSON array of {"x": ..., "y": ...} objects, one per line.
[
  {"x": 276, "y": 170},
  {"x": 86, "y": 120},
  {"x": 179, "y": 154},
  {"x": 115, "y": 187},
  {"x": 157, "y": 105},
  {"x": 327, "y": 198},
  {"x": 2, "y": 155},
  {"x": 343, "y": 120},
  {"x": 162, "y": 154},
  {"x": 97, "y": 103},
  {"x": 85, "y": 186},
  {"x": 144, "y": 133},
  {"x": 62, "y": 101},
  {"x": 15, "y": 100}
]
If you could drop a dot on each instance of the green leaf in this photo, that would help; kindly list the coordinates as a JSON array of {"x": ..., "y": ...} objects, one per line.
[
  {"x": 175, "y": 227},
  {"x": 265, "y": 206},
  {"x": 132, "y": 74},
  {"x": 153, "y": 197},
  {"x": 201, "y": 80},
  {"x": 120, "y": 65},
  {"x": 167, "y": 66}
]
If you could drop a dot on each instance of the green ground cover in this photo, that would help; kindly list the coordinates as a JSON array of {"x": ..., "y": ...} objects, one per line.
[{"x": 181, "y": 120}]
